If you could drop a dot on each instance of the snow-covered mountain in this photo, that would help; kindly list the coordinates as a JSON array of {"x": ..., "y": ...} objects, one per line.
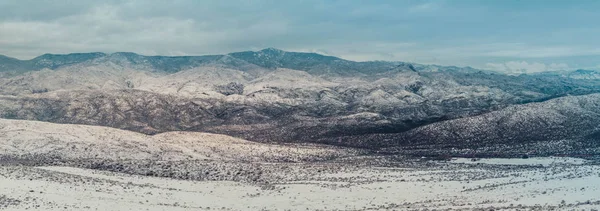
[{"x": 277, "y": 96}]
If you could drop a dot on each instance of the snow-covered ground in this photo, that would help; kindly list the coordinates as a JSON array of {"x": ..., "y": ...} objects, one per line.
[
  {"x": 544, "y": 161},
  {"x": 556, "y": 186},
  {"x": 42, "y": 167}
]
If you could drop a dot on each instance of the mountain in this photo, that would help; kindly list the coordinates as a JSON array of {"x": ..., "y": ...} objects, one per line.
[
  {"x": 50, "y": 61},
  {"x": 561, "y": 126},
  {"x": 291, "y": 97},
  {"x": 12, "y": 64},
  {"x": 268, "y": 58},
  {"x": 312, "y": 63},
  {"x": 53, "y": 61},
  {"x": 56, "y": 61}
]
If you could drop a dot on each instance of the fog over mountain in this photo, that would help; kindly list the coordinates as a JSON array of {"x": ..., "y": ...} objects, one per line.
[{"x": 277, "y": 96}]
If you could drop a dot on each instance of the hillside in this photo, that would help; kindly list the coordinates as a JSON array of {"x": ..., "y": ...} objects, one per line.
[{"x": 43, "y": 140}]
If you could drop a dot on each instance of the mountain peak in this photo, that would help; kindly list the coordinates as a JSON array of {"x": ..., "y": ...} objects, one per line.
[
  {"x": 126, "y": 54},
  {"x": 273, "y": 50}
]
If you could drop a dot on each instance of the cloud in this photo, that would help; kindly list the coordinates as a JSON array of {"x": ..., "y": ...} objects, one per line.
[
  {"x": 431, "y": 32},
  {"x": 519, "y": 50},
  {"x": 523, "y": 67},
  {"x": 111, "y": 27},
  {"x": 192, "y": 27},
  {"x": 542, "y": 52}
]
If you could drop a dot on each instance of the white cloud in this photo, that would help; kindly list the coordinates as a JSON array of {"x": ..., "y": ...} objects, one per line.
[
  {"x": 542, "y": 52},
  {"x": 523, "y": 67},
  {"x": 107, "y": 28},
  {"x": 519, "y": 50}
]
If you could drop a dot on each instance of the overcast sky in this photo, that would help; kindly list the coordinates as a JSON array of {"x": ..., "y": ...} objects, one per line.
[{"x": 495, "y": 34}]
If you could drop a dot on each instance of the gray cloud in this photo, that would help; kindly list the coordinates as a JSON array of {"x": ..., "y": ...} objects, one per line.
[
  {"x": 113, "y": 28},
  {"x": 442, "y": 32},
  {"x": 520, "y": 67}
]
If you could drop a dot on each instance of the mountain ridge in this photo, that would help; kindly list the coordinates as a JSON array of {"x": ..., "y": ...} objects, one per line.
[
  {"x": 306, "y": 61},
  {"x": 306, "y": 58}
]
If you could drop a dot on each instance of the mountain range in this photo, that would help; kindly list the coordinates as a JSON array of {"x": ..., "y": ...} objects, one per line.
[{"x": 274, "y": 96}]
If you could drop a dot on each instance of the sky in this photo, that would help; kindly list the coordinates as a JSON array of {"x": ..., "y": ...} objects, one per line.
[{"x": 501, "y": 35}]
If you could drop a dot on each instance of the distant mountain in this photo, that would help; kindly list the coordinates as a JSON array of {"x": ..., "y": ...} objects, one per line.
[
  {"x": 53, "y": 61},
  {"x": 12, "y": 64},
  {"x": 161, "y": 63},
  {"x": 311, "y": 62},
  {"x": 269, "y": 58},
  {"x": 50, "y": 61},
  {"x": 575, "y": 74}
]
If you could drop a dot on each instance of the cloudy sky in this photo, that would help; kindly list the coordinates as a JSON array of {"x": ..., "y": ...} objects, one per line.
[{"x": 506, "y": 35}]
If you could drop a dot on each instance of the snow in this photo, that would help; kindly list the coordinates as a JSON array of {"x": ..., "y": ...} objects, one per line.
[
  {"x": 544, "y": 161},
  {"x": 370, "y": 188}
]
